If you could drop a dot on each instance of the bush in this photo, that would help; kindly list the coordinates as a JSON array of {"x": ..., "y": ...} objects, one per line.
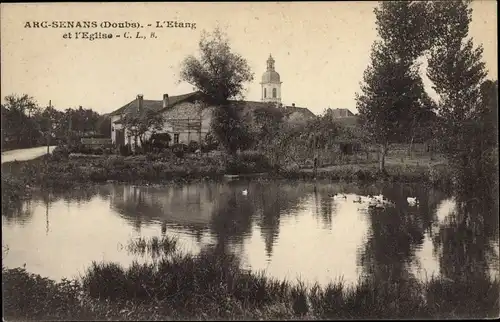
[
  {"x": 179, "y": 150},
  {"x": 193, "y": 147},
  {"x": 125, "y": 150},
  {"x": 60, "y": 153}
]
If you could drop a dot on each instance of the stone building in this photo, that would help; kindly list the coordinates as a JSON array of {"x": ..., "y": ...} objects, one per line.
[{"x": 188, "y": 117}]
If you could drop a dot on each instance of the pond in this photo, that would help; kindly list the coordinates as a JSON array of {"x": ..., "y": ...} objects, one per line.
[{"x": 316, "y": 231}]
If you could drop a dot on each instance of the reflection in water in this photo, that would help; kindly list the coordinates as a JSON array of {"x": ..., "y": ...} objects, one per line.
[
  {"x": 288, "y": 229},
  {"x": 466, "y": 242}
]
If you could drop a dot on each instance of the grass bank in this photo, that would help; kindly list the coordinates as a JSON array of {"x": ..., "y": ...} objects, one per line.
[
  {"x": 58, "y": 171},
  {"x": 436, "y": 175},
  {"x": 212, "y": 286}
]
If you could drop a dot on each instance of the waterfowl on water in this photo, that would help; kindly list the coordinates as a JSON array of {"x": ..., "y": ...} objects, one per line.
[
  {"x": 412, "y": 201},
  {"x": 245, "y": 192},
  {"x": 378, "y": 202}
]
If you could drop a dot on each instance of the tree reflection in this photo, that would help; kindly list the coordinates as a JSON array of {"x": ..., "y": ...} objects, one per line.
[
  {"x": 18, "y": 212},
  {"x": 325, "y": 208},
  {"x": 274, "y": 201},
  {"x": 467, "y": 241},
  {"x": 234, "y": 215},
  {"x": 231, "y": 219},
  {"x": 395, "y": 235}
]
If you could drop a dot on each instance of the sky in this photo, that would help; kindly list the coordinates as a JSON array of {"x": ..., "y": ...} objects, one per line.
[{"x": 321, "y": 49}]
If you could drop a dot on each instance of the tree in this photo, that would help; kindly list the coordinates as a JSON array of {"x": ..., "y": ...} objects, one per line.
[
  {"x": 421, "y": 122},
  {"x": 19, "y": 128},
  {"x": 220, "y": 74},
  {"x": 141, "y": 123},
  {"x": 393, "y": 90},
  {"x": 52, "y": 122},
  {"x": 230, "y": 130},
  {"x": 390, "y": 96},
  {"x": 104, "y": 125},
  {"x": 268, "y": 123},
  {"x": 458, "y": 74}
]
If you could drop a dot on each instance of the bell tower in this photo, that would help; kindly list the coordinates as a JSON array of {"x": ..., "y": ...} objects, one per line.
[{"x": 271, "y": 83}]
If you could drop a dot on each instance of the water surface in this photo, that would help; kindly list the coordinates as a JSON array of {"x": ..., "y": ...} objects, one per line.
[{"x": 312, "y": 231}]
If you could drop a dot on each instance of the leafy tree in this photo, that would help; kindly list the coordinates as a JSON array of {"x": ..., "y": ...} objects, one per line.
[
  {"x": 230, "y": 130},
  {"x": 82, "y": 121},
  {"x": 104, "y": 126},
  {"x": 19, "y": 128},
  {"x": 268, "y": 122},
  {"x": 220, "y": 74},
  {"x": 393, "y": 90},
  {"x": 458, "y": 74},
  {"x": 141, "y": 123},
  {"x": 297, "y": 143},
  {"x": 52, "y": 122}
]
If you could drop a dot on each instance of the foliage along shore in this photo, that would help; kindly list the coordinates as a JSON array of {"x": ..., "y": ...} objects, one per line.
[
  {"x": 60, "y": 172},
  {"x": 212, "y": 285}
]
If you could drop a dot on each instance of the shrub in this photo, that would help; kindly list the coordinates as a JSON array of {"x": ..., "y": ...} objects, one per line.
[
  {"x": 125, "y": 150},
  {"x": 193, "y": 147},
  {"x": 179, "y": 150},
  {"x": 60, "y": 153}
]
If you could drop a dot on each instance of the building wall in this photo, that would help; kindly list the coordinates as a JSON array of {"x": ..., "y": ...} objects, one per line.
[
  {"x": 191, "y": 111},
  {"x": 114, "y": 127},
  {"x": 269, "y": 92}
]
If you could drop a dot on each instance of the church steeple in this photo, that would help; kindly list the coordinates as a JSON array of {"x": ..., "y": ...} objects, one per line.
[{"x": 271, "y": 83}]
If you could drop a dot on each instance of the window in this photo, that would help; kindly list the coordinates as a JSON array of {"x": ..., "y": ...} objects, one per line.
[
  {"x": 274, "y": 92},
  {"x": 176, "y": 138},
  {"x": 265, "y": 92}
]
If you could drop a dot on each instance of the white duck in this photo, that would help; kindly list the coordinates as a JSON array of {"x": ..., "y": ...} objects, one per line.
[
  {"x": 362, "y": 199},
  {"x": 339, "y": 197},
  {"x": 245, "y": 192},
  {"x": 412, "y": 201},
  {"x": 379, "y": 201}
]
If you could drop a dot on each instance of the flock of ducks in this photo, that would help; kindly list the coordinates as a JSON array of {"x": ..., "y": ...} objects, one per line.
[
  {"x": 372, "y": 201},
  {"x": 375, "y": 201}
]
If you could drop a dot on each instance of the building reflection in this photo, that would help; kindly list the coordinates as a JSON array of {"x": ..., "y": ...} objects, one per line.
[{"x": 189, "y": 206}]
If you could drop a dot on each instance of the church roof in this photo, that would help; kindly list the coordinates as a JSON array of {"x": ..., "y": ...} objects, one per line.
[{"x": 271, "y": 76}]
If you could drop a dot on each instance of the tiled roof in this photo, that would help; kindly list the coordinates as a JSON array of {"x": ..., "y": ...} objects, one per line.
[
  {"x": 155, "y": 105},
  {"x": 246, "y": 106},
  {"x": 303, "y": 110}
]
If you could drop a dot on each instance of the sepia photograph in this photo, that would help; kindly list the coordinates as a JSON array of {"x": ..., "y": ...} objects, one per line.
[{"x": 284, "y": 160}]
